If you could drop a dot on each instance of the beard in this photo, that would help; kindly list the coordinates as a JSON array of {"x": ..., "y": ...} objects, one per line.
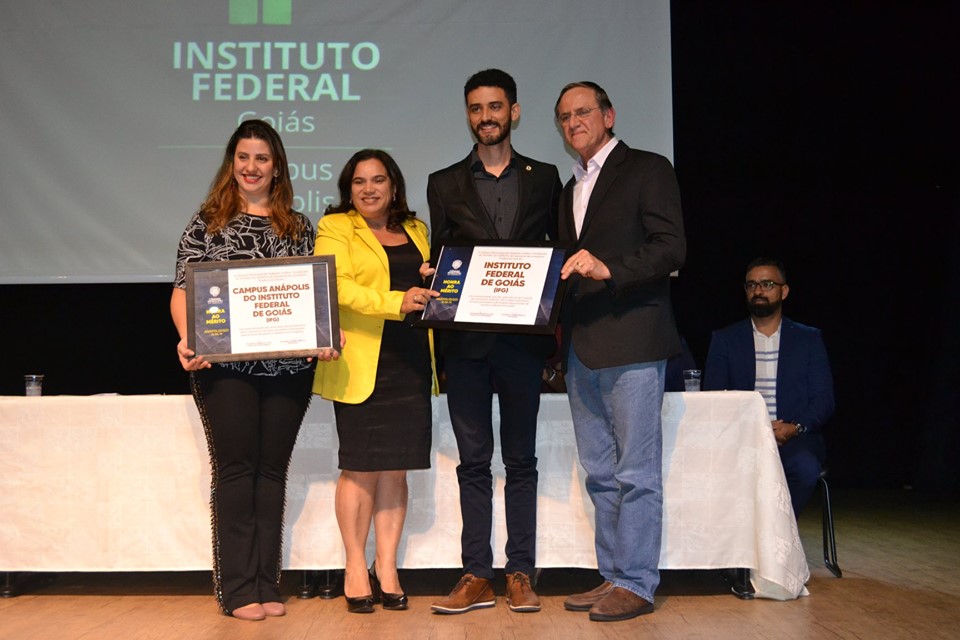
[
  {"x": 761, "y": 308},
  {"x": 492, "y": 139}
]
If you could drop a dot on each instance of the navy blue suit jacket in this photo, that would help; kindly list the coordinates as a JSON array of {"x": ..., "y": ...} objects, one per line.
[{"x": 804, "y": 381}]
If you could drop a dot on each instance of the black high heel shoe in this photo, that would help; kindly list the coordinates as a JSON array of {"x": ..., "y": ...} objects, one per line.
[
  {"x": 389, "y": 601},
  {"x": 362, "y": 604}
]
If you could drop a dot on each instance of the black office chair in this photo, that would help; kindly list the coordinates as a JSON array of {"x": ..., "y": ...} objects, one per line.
[{"x": 829, "y": 537}]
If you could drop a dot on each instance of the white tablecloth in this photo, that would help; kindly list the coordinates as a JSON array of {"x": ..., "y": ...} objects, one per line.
[{"x": 121, "y": 483}]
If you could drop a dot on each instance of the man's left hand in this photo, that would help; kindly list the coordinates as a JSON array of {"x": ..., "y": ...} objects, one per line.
[
  {"x": 783, "y": 431},
  {"x": 587, "y": 265}
]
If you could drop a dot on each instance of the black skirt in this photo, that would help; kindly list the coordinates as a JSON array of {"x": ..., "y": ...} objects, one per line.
[{"x": 391, "y": 430}]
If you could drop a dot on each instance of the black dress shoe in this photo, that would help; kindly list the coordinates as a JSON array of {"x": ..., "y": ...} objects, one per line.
[
  {"x": 363, "y": 604},
  {"x": 389, "y": 601}
]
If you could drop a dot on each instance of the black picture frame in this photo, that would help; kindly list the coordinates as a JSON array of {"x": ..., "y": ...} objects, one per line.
[
  {"x": 255, "y": 303},
  {"x": 507, "y": 292}
]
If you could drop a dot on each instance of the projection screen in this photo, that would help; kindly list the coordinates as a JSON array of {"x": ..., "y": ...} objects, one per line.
[{"x": 114, "y": 113}]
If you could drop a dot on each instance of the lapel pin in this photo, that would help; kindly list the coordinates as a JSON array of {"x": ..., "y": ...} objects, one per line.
[{"x": 529, "y": 168}]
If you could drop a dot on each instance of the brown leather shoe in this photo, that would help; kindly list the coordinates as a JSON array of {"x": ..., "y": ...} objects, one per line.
[
  {"x": 520, "y": 594},
  {"x": 619, "y": 604},
  {"x": 583, "y": 601},
  {"x": 470, "y": 593}
]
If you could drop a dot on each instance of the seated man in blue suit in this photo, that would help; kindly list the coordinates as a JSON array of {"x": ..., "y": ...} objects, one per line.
[{"x": 787, "y": 363}]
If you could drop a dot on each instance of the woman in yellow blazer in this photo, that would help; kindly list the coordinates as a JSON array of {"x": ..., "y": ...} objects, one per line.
[{"x": 382, "y": 382}]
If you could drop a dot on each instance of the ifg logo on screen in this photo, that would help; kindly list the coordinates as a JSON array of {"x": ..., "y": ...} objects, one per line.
[{"x": 249, "y": 11}]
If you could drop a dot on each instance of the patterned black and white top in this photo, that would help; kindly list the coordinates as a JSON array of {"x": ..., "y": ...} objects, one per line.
[{"x": 244, "y": 237}]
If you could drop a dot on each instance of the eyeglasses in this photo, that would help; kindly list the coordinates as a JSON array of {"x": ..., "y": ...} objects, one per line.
[
  {"x": 579, "y": 114},
  {"x": 766, "y": 285}
]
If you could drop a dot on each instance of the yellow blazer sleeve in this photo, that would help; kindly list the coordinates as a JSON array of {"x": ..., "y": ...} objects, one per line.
[
  {"x": 363, "y": 276},
  {"x": 365, "y": 302}
]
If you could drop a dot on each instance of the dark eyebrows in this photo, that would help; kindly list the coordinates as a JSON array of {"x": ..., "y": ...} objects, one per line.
[{"x": 477, "y": 105}]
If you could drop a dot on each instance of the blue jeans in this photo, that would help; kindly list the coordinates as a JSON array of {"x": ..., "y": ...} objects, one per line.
[{"x": 616, "y": 419}]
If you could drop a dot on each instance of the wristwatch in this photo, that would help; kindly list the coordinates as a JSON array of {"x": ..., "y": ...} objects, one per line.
[{"x": 800, "y": 428}]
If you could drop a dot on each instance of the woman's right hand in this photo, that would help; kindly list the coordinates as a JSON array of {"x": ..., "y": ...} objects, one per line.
[
  {"x": 188, "y": 359},
  {"x": 415, "y": 299}
]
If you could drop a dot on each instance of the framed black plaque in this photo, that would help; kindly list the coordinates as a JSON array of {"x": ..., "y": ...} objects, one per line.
[
  {"x": 502, "y": 286},
  {"x": 262, "y": 309}
]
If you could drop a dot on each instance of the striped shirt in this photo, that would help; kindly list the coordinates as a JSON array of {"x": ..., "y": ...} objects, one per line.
[{"x": 767, "y": 350}]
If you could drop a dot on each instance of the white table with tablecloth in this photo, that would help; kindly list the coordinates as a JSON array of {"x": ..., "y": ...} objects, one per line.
[{"x": 122, "y": 483}]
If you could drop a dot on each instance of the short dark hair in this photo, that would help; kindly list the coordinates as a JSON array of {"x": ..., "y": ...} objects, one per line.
[
  {"x": 768, "y": 262},
  {"x": 492, "y": 78},
  {"x": 399, "y": 211},
  {"x": 603, "y": 100}
]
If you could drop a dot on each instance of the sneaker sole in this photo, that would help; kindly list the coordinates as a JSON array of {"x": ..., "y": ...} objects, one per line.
[{"x": 475, "y": 605}]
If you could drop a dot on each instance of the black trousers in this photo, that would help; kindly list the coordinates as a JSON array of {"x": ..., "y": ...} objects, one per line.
[
  {"x": 516, "y": 376},
  {"x": 251, "y": 424}
]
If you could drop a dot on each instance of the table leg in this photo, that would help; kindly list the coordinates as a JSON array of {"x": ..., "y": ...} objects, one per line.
[
  {"x": 308, "y": 587},
  {"x": 741, "y": 584},
  {"x": 327, "y": 587},
  {"x": 8, "y": 589}
]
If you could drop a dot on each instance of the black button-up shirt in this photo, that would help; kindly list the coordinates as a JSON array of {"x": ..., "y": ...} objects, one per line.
[{"x": 500, "y": 195}]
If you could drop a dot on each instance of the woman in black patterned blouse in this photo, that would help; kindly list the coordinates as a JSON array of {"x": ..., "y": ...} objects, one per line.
[{"x": 251, "y": 410}]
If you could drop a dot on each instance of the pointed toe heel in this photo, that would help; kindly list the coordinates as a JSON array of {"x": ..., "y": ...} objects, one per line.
[
  {"x": 363, "y": 604},
  {"x": 389, "y": 601},
  {"x": 394, "y": 601}
]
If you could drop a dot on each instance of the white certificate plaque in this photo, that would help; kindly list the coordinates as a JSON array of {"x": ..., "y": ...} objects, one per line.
[{"x": 506, "y": 287}]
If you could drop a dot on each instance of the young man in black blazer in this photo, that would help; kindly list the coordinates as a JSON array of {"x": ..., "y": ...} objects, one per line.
[{"x": 494, "y": 193}]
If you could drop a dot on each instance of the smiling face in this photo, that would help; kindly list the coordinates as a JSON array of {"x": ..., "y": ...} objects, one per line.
[
  {"x": 253, "y": 169},
  {"x": 371, "y": 189},
  {"x": 586, "y": 133},
  {"x": 491, "y": 115}
]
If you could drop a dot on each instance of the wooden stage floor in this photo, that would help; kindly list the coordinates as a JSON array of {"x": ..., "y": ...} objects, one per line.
[{"x": 899, "y": 551}]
